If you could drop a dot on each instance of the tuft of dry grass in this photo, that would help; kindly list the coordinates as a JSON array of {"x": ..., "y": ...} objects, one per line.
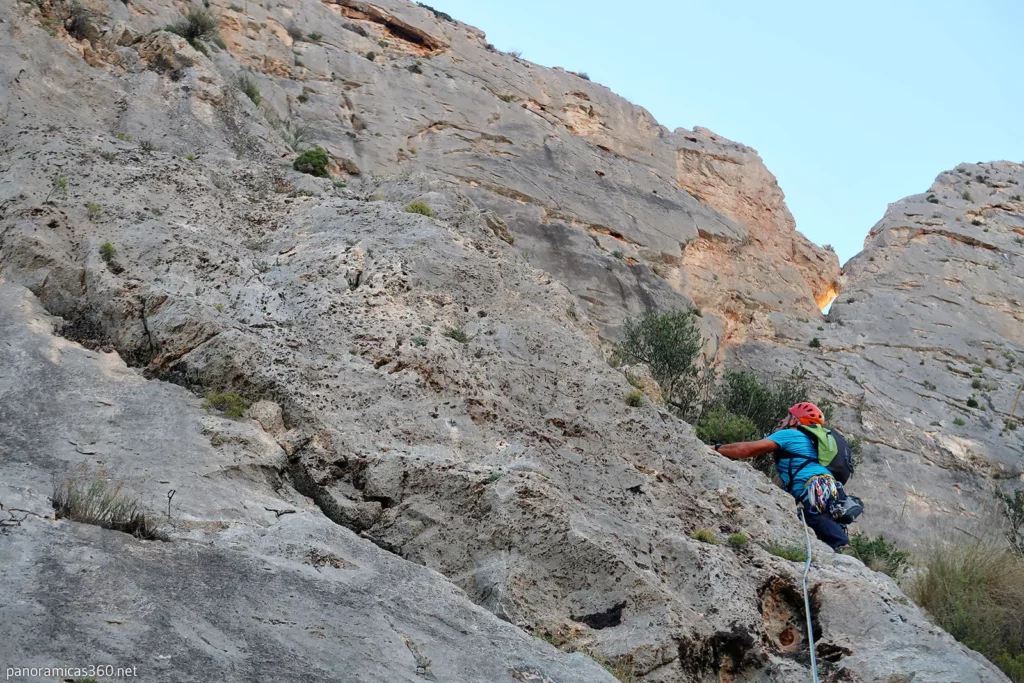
[
  {"x": 975, "y": 591},
  {"x": 94, "y": 498}
]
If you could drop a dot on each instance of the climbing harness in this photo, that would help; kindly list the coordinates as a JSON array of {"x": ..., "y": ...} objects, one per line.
[{"x": 807, "y": 596}]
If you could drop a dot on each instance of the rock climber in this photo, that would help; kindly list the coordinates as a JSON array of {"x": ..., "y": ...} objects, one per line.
[{"x": 812, "y": 462}]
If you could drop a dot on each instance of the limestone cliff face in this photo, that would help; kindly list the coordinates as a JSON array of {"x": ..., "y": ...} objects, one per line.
[
  {"x": 924, "y": 351},
  {"x": 431, "y": 394},
  {"x": 627, "y": 213}
]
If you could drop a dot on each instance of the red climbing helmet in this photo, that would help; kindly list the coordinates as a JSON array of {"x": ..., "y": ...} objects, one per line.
[{"x": 808, "y": 414}]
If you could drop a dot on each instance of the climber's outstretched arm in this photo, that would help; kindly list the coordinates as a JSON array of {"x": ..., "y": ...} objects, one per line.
[{"x": 747, "y": 449}]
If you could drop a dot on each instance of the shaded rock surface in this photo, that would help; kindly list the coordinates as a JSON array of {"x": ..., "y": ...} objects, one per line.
[{"x": 444, "y": 398}]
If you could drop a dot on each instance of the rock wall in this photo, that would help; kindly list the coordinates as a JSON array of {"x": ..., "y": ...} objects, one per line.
[{"x": 430, "y": 394}]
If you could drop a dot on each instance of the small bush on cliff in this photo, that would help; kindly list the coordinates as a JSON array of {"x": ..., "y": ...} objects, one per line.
[
  {"x": 419, "y": 207},
  {"x": 107, "y": 252},
  {"x": 198, "y": 25},
  {"x": 635, "y": 399},
  {"x": 764, "y": 402},
  {"x": 247, "y": 84},
  {"x": 704, "y": 536},
  {"x": 880, "y": 555},
  {"x": 457, "y": 334},
  {"x": 815, "y": 343},
  {"x": 671, "y": 345},
  {"x": 738, "y": 540},
  {"x": 313, "y": 162},
  {"x": 975, "y": 591}
]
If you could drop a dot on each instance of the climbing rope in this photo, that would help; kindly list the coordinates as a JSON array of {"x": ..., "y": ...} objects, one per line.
[{"x": 807, "y": 596}]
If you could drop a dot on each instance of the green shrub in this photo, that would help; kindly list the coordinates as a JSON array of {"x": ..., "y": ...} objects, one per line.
[
  {"x": 738, "y": 540},
  {"x": 457, "y": 334},
  {"x": 794, "y": 553},
  {"x": 313, "y": 162},
  {"x": 972, "y": 402},
  {"x": 671, "y": 345},
  {"x": 975, "y": 591},
  {"x": 764, "y": 402},
  {"x": 419, "y": 207},
  {"x": 959, "y": 422},
  {"x": 966, "y": 195},
  {"x": 931, "y": 386},
  {"x": 720, "y": 426},
  {"x": 107, "y": 252},
  {"x": 933, "y": 199},
  {"x": 92, "y": 498},
  {"x": 199, "y": 24},
  {"x": 247, "y": 84},
  {"x": 231, "y": 405},
  {"x": 880, "y": 555},
  {"x": 371, "y": 55},
  {"x": 635, "y": 399},
  {"x": 94, "y": 210},
  {"x": 418, "y": 340},
  {"x": 815, "y": 343},
  {"x": 704, "y": 536},
  {"x": 316, "y": 37}
]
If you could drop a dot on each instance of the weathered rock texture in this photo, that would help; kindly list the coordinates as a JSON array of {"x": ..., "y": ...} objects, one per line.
[
  {"x": 442, "y": 397},
  {"x": 924, "y": 351}
]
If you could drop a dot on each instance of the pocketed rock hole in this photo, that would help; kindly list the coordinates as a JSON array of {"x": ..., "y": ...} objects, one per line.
[{"x": 782, "y": 607}]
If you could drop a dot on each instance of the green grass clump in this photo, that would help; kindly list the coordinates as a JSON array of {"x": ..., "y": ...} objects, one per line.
[
  {"x": 313, "y": 162},
  {"x": 230, "y": 404},
  {"x": 107, "y": 252},
  {"x": 316, "y": 37},
  {"x": 975, "y": 591},
  {"x": 418, "y": 340},
  {"x": 635, "y": 399},
  {"x": 419, "y": 207},
  {"x": 93, "y": 498},
  {"x": 880, "y": 555},
  {"x": 959, "y": 422},
  {"x": 793, "y": 553},
  {"x": 94, "y": 210},
  {"x": 815, "y": 343},
  {"x": 704, "y": 536},
  {"x": 457, "y": 334},
  {"x": 738, "y": 540}
]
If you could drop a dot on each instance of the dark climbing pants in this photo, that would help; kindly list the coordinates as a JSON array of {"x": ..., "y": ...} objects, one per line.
[{"x": 825, "y": 528}]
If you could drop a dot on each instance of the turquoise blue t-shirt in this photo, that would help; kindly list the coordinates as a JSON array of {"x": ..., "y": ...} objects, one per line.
[{"x": 795, "y": 442}]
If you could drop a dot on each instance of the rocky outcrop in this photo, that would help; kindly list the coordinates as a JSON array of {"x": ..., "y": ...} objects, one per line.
[
  {"x": 429, "y": 390},
  {"x": 923, "y": 352}
]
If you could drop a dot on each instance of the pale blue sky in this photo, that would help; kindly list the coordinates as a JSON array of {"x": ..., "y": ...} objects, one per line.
[{"x": 852, "y": 105}]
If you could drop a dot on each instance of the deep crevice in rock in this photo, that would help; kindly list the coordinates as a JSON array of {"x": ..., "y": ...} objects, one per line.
[{"x": 609, "y": 618}]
